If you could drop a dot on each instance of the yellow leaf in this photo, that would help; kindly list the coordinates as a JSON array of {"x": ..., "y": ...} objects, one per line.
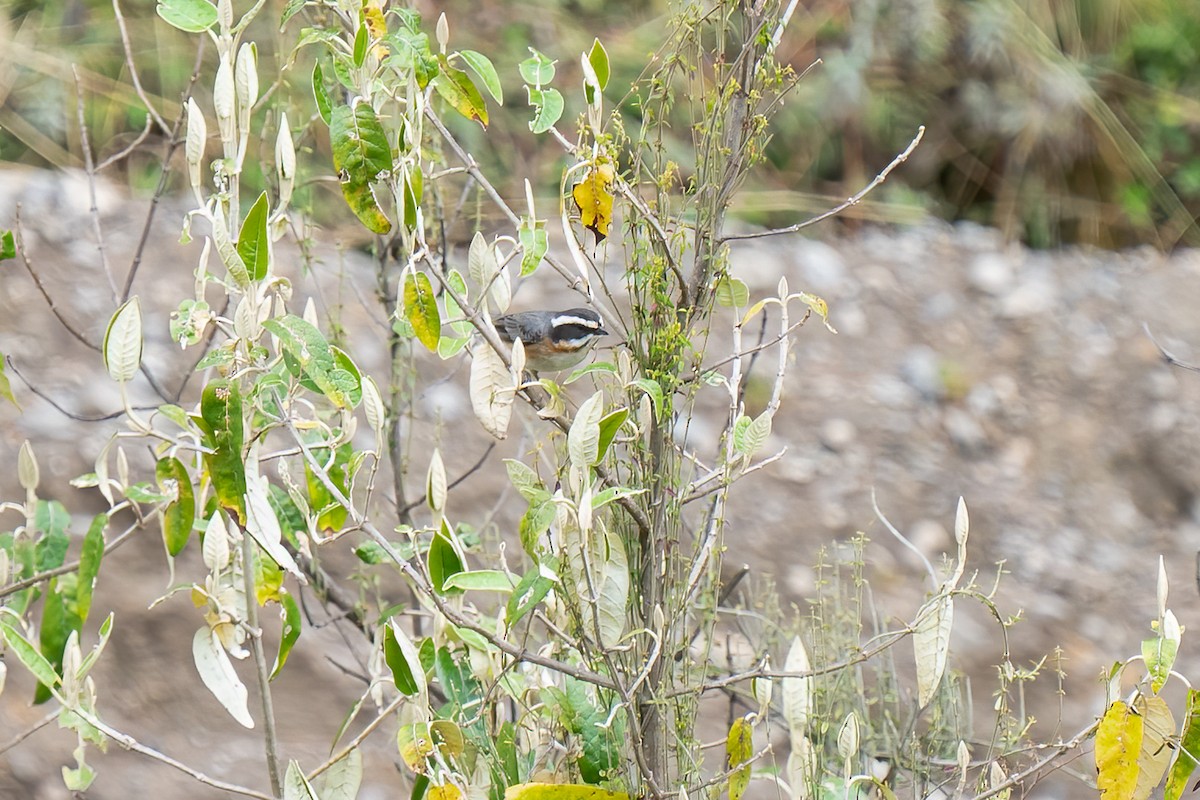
[
  {"x": 560, "y": 791},
  {"x": 377, "y": 26},
  {"x": 593, "y": 196},
  {"x": 1118, "y": 745},
  {"x": 739, "y": 747},
  {"x": 446, "y": 791}
]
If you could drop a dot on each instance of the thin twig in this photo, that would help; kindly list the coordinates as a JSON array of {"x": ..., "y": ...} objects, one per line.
[
  {"x": 903, "y": 540},
  {"x": 85, "y": 144},
  {"x": 470, "y": 471},
  {"x": 67, "y": 324},
  {"x": 1058, "y": 751},
  {"x": 173, "y": 142},
  {"x": 30, "y": 731},
  {"x": 129, "y": 743},
  {"x": 851, "y": 201},
  {"x": 133, "y": 73},
  {"x": 357, "y": 740},
  {"x": 260, "y": 666},
  {"x": 1166, "y": 356},
  {"x": 124, "y": 152},
  {"x": 46, "y": 575}
]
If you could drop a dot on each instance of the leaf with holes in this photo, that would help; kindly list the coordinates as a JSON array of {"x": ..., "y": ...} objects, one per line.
[
  {"x": 594, "y": 198},
  {"x": 361, "y": 156}
]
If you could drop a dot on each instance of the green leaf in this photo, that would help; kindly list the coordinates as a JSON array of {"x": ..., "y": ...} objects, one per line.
[
  {"x": 324, "y": 106},
  {"x": 5, "y": 386},
  {"x": 460, "y": 686},
  {"x": 536, "y": 521},
  {"x": 254, "y": 243},
  {"x": 1189, "y": 750},
  {"x": 290, "y": 612},
  {"x": 537, "y": 70},
  {"x": 532, "y": 589},
  {"x": 90, "y": 557},
  {"x": 51, "y": 517},
  {"x": 506, "y": 748},
  {"x": 193, "y": 16},
  {"x": 398, "y": 663},
  {"x": 221, "y": 411},
  {"x": 524, "y": 479},
  {"x": 310, "y": 354},
  {"x": 361, "y": 156},
  {"x": 548, "y": 105},
  {"x": 482, "y": 580},
  {"x": 481, "y": 65},
  {"x": 292, "y": 8},
  {"x": 456, "y": 88},
  {"x": 444, "y": 560},
  {"x": 123, "y": 342},
  {"x": 534, "y": 244},
  {"x": 598, "y": 58},
  {"x": 180, "y": 513},
  {"x": 749, "y": 435},
  {"x": 8, "y": 245},
  {"x": 610, "y": 424},
  {"x": 57, "y": 625},
  {"x": 421, "y": 310},
  {"x": 25, "y": 652},
  {"x": 732, "y": 292},
  {"x": 361, "y": 39},
  {"x": 654, "y": 389}
]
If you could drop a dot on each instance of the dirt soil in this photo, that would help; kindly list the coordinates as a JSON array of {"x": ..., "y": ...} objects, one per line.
[{"x": 1022, "y": 381}]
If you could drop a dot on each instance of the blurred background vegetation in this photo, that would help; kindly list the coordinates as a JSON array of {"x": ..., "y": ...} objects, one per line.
[{"x": 1057, "y": 121}]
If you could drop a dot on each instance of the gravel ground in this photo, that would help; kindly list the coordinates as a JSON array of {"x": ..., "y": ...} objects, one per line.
[{"x": 964, "y": 366}]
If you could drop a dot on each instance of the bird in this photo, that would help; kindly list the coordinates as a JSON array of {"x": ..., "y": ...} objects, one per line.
[{"x": 553, "y": 340}]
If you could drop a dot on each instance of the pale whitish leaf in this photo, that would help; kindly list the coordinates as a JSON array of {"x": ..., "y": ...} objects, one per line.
[
  {"x": 613, "y": 592},
  {"x": 197, "y": 135},
  {"x": 848, "y": 737},
  {"x": 342, "y": 779},
  {"x": 583, "y": 440},
  {"x": 762, "y": 688},
  {"x": 963, "y": 755},
  {"x": 435, "y": 483},
  {"x": 3, "y": 676},
  {"x": 583, "y": 507},
  {"x": 996, "y": 779},
  {"x": 962, "y": 522},
  {"x": 524, "y": 479},
  {"x": 102, "y": 482},
  {"x": 225, "y": 14},
  {"x": 1155, "y": 755},
  {"x": 501, "y": 289},
  {"x": 797, "y": 692},
  {"x": 263, "y": 525},
  {"x": 411, "y": 655},
  {"x": 228, "y": 252},
  {"x": 246, "y": 80},
  {"x": 481, "y": 261},
  {"x": 285, "y": 161},
  {"x": 123, "y": 342},
  {"x": 373, "y": 406},
  {"x": 1162, "y": 587},
  {"x": 443, "y": 31},
  {"x": 517, "y": 360},
  {"x": 802, "y": 768},
  {"x": 224, "y": 98},
  {"x": 931, "y": 644},
  {"x": 28, "y": 474},
  {"x": 216, "y": 543},
  {"x": 492, "y": 390},
  {"x": 296, "y": 786},
  {"x": 212, "y": 662}
]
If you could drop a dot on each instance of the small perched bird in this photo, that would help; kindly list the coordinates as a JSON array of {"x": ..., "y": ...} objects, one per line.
[{"x": 554, "y": 340}]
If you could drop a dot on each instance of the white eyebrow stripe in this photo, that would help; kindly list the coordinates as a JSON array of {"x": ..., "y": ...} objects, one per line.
[{"x": 571, "y": 319}]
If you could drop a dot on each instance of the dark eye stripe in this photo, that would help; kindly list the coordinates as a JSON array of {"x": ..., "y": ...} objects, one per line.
[{"x": 572, "y": 332}]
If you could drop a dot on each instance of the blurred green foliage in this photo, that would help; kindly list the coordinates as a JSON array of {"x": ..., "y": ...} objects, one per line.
[{"x": 1056, "y": 120}]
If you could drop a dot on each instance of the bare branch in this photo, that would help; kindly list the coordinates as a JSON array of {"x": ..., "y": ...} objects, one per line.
[{"x": 851, "y": 201}]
